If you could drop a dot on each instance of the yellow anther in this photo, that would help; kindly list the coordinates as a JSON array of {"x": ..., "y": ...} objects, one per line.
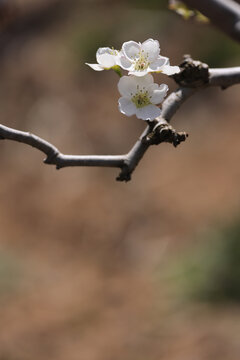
[{"x": 141, "y": 99}]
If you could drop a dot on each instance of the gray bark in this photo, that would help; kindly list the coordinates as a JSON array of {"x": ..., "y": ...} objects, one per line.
[
  {"x": 155, "y": 133},
  {"x": 225, "y": 14}
]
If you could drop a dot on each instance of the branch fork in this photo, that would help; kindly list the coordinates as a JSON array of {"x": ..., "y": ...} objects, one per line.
[{"x": 194, "y": 76}]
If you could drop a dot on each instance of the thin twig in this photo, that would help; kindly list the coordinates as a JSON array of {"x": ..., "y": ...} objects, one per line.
[
  {"x": 55, "y": 157},
  {"x": 224, "y": 77},
  {"x": 175, "y": 100},
  {"x": 156, "y": 132}
]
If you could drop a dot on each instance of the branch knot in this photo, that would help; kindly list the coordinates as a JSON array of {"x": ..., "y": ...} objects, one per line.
[
  {"x": 164, "y": 132},
  {"x": 51, "y": 157},
  {"x": 193, "y": 73}
]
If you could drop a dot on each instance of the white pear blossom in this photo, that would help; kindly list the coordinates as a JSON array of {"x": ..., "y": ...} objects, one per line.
[
  {"x": 140, "y": 59},
  {"x": 140, "y": 95},
  {"x": 106, "y": 57}
]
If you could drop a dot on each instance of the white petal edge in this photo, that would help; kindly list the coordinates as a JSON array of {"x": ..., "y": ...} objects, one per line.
[
  {"x": 131, "y": 49},
  {"x": 127, "y": 86},
  {"x": 170, "y": 70},
  {"x": 125, "y": 63},
  {"x": 138, "y": 73},
  {"x": 159, "y": 94},
  {"x": 149, "y": 112},
  {"x": 152, "y": 87},
  {"x": 95, "y": 67},
  {"x": 152, "y": 48},
  {"x": 106, "y": 60},
  {"x": 158, "y": 63},
  {"x": 102, "y": 51},
  {"x": 144, "y": 81},
  {"x": 126, "y": 106}
]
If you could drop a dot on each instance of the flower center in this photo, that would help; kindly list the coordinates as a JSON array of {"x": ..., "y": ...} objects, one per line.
[
  {"x": 113, "y": 51},
  {"x": 141, "y": 99},
  {"x": 142, "y": 62}
]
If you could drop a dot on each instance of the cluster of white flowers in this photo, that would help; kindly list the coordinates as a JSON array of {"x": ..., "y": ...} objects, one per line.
[{"x": 139, "y": 94}]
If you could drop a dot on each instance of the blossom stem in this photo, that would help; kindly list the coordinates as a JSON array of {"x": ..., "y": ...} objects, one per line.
[{"x": 117, "y": 70}]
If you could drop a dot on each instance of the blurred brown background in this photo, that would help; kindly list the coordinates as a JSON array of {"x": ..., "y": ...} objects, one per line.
[{"x": 94, "y": 269}]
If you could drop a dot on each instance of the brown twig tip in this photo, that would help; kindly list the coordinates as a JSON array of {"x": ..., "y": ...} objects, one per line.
[
  {"x": 125, "y": 175},
  {"x": 156, "y": 133},
  {"x": 193, "y": 73}
]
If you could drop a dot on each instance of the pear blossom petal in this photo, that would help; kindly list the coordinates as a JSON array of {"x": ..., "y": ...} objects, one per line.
[
  {"x": 105, "y": 57},
  {"x": 131, "y": 49},
  {"x": 139, "y": 73},
  {"x": 107, "y": 61},
  {"x": 127, "y": 86},
  {"x": 151, "y": 48},
  {"x": 126, "y": 106},
  {"x": 140, "y": 59},
  {"x": 170, "y": 70},
  {"x": 165, "y": 60},
  {"x": 158, "y": 63},
  {"x": 125, "y": 63},
  {"x": 149, "y": 112},
  {"x": 153, "y": 87},
  {"x": 140, "y": 96},
  {"x": 95, "y": 67},
  {"x": 145, "y": 81},
  {"x": 104, "y": 50},
  {"x": 163, "y": 87},
  {"x": 159, "y": 94},
  {"x": 162, "y": 64}
]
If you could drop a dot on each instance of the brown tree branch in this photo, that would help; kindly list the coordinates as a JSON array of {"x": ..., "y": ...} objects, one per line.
[
  {"x": 155, "y": 133},
  {"x": 54, "y": 156},
  {"x": 225, "y": 14}
]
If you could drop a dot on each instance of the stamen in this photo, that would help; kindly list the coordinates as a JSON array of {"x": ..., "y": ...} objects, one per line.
[
  {"x": 113, "y": 51},
  {"x": 142, "y": 62},
  {"x": 141, "y": 99}
]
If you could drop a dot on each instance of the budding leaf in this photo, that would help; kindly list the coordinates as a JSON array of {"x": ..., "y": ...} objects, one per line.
[
  {"x": 180, "y": 8},
  {"x": 201, "y": 18}
]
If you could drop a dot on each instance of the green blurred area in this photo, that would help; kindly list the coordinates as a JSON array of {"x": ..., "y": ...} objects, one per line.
[
  {"x": 11, "y": 275},
  {"x": 140, "y": 20},
  {"x": 209, "y": 272}
]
